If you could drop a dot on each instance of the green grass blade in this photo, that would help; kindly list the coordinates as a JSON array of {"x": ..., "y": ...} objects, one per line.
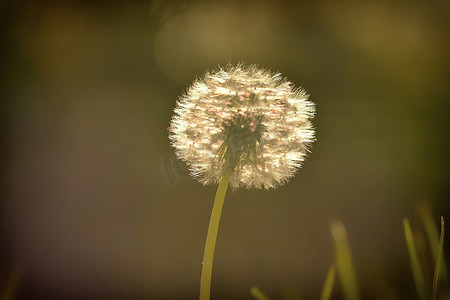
[
  {"x": 416, "y": 269},
  {"x": 439, "y": 260},
  {"x": 433, "y": 239},
  {"x": 258, "y": 294},
  {"x": 344, "y": 262},
  {"x": 329, "y": 283}
]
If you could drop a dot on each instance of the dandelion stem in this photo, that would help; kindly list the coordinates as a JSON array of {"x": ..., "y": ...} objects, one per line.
[{"x": 208, "y": 256}]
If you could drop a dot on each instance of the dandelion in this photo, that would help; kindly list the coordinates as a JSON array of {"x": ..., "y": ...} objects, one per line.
[
  {"x": 242, "y": 126},
  {"x": 244, "y": 121}
]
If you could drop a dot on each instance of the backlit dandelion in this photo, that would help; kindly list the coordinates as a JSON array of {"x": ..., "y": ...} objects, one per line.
[
  {"x": 242, "y": 126},
  {"x": 245, "y": 121}
]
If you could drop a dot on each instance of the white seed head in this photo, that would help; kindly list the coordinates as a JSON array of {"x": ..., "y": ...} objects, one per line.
[{"x": 245, "y": 121}]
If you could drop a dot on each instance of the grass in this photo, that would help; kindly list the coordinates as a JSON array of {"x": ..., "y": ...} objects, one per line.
[
  {"x": 438, "y": 261},
  {"x": 414, "y": 259},
  {"x": 344, "y": 262},
  {"x": 343, "y": 265},
  {"x": 258, "y": 294},
  {"x": 328, "y": 285}
]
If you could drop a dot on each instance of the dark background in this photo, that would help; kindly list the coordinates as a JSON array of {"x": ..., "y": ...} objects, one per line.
[{"x": 95, "y": 206}]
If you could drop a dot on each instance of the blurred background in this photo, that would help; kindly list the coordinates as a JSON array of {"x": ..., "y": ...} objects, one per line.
[{"x": 95, "y": 205}]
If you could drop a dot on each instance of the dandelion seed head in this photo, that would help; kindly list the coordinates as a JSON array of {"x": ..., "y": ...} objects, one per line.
[{"x": 245, "y": 121}]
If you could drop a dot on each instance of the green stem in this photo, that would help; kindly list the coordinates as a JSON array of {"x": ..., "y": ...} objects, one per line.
[{"x": 208, "y": 256}]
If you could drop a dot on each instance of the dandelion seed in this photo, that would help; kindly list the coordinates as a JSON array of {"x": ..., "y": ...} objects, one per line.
[{"x": 246, "y": 122}]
